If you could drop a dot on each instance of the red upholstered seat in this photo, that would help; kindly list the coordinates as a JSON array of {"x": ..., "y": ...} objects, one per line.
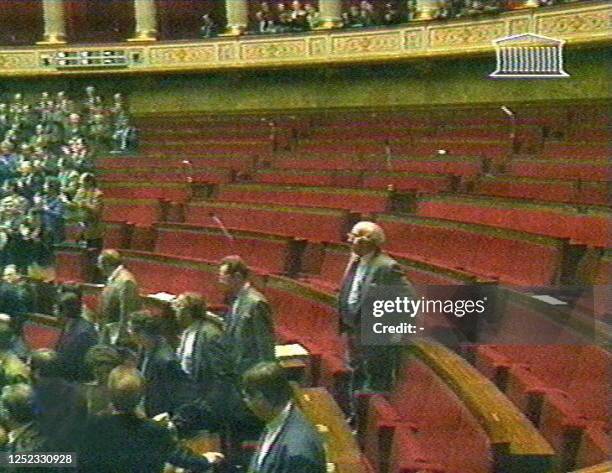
[
  {"x": 415, "y": 406},
  {"x": 141, "y": 211},
  {"x": 38, "y": 336},
  {"x": 594, "y": 447}
]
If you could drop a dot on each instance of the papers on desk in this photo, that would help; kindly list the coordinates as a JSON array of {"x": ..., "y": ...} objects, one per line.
[
  {"x": 294, "y": 350},
  {"x": 163, "y": 296},
  {"x": 549, "y": 299}
]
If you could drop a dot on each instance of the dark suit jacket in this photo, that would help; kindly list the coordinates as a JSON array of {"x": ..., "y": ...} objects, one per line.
[
  {"x": 206, "y": 351},
  {"x": 249, "y": 336},
  {"x": 382, "y": 271},
  {"x": 167, "y": 385},
  {"x": 298, "y": 448},
  {"x": 126, "y": 443},
  {"x": 78, "y": 336}
]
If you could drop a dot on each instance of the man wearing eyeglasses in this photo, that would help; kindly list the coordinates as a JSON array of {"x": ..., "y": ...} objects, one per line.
[{"x": 369, "y": 269}]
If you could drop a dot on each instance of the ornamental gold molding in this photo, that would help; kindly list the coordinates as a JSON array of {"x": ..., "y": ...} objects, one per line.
[
  {"x": 18, "y": 60},
  {"x": 389, "y": 42},
  {"x": 170, "y": 56},
  {"x": 575, "y": 23},
  {"x": 562, "y": 24},
  {"x": 481, "y": 34}
]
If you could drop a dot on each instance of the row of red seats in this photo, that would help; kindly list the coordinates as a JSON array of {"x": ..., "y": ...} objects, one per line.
[
  {"x": 356, "y": 200},
  {"x": 560, "y": 169},
  {"x": 434, "y": 164},
  {"x": 588, "y": 228},
  {"x": 490, "y": 253},
  {"x": 569, "y": 406},
  {"x": 588, "y": 193},
  {"x": 375, "y": 180},
  {"x": 176, "y": 192}
]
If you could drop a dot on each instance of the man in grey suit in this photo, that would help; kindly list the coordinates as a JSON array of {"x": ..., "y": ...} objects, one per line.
[
  {"x": 200, "y": 341},
  {"x": 249, "y": 334},
  {"x": 119, "y": 298},
  {"x": 289, "y": 443},
  {"x": 369, "y": 269}
]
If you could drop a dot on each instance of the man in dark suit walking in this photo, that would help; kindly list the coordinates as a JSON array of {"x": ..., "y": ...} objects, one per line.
[
  {"x": 249, "y": 335},
  {"x": 369, "y": 270},
  {"x": 289, "y": 443}
]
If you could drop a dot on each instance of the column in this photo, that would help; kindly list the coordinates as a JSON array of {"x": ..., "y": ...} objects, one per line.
[
  {"x": 330, "y": 12},
  {"x": 145, "y": 13},
  {"x": 55, "y": 22},
  {"x": 426, "y": 9},
  {"x": 237, "y": 13}
]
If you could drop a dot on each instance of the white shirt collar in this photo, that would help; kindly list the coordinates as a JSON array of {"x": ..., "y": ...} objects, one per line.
[{"x": 115, "y": 273}]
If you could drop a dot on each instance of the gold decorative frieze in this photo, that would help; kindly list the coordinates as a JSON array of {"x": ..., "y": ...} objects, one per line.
[
  {"x": 228, "y": 51},
  {"x": 182, "y": 55},
  {"x": 274, "y": 49},
  {"x": 18, "y": 60},
  {"x": 519, "y": 25},
  {"x": 478, "y": 34},
  {"x": 562, "y": 24},
  {"x": 574, "y": 22},
  {"x": 318, "y": 46},
  {"x": 367, "y": 43},
  {"x": 414, "y": 38}
]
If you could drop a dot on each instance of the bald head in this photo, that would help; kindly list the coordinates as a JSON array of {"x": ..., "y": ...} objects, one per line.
[{"x": 366, "y": 237}]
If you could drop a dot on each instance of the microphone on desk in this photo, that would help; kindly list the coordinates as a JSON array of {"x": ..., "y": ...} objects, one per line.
[
  {"x": 220, "y": 224},
  {"x": 188, "y": 169}
]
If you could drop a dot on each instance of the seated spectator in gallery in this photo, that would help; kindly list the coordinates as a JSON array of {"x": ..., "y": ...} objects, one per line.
[
  {"x": 265, "y": 18},
  {"x": 87, "y": 210},
  {"x": 313, "y": 16},
  {"x": 283, "y": 20},
  {"x": 391, "y": 14},
  {"x": 77, "y": 337},
  {"x": 299, "y": 16},
  {"x": 209, "y": 27}
]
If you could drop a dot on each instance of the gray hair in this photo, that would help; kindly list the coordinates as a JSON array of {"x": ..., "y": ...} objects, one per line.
[{"x": 371, "y": 230}]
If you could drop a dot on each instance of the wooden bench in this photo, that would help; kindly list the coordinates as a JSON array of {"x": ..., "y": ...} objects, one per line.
[{"x": 341, "y": 448}]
